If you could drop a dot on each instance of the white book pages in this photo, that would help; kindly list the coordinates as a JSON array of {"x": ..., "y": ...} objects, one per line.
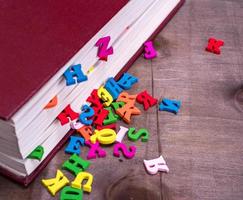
[
  {"x": 86, "y": 55},
  {"x": 46, "y": 117}
]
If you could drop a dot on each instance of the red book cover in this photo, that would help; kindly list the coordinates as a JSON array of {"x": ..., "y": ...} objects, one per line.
[{"x": 30, "y": 33}]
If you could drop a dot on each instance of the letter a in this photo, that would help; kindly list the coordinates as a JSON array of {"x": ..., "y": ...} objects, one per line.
[{"x": 145, "y": 99}]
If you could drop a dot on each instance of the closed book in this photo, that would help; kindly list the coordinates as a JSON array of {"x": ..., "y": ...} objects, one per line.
[{"x": 40, "y": 40}]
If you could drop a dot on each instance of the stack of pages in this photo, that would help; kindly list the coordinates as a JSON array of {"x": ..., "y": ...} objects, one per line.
[{"x": 39, "y": 42}]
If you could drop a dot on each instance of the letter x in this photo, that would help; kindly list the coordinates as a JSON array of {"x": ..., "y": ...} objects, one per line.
[{"x": 214, "y": 45}]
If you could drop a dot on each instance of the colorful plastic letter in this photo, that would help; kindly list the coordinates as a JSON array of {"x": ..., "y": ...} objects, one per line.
[
  {"x": 37, "y": 153},
  {"x": 75, "y": 164},
  {"x": 94, "y": 150},
  {"x": 141, "y": 133},
  {"x": 214, "y": 45},
  {"x": 76, "y": 125},
  {"x": 150, "y": 52},
  {"x": 94, "y": 100},
  {"x": 127, "y": 111},
  {"x": 80, "y": 178},
  {"x": 111, "y": 117},
  {"x": 113, "y": 88},
  {"x": 105, "y": 96},
  {"x": 145, "y": 99},
  {"x": 104, "y": 51},
  {"x": 127, "y": 153},
  {"x": 85, "y": 132},
  {"x": 74, "y": 145},
  {"x": 70, "y": 193},
  {"x": 52, "y": 103},
  {"x": 125, "y": 97},
  {"x": 67, "y": 113},
  {"x": 155, "y": 165},
  {"x": 122, "y": 132},
  {"x": 99, "y": 117},
  {"x": 74, "y": 71},
  {"x": 126, "y": 81},
  {"x": 110, "y": 126},
  {"x": 116, "y": 105},
  {"x": 55, "y": 184},
  {"x": 87, "y": 112},
  {"x": 169, "y": 105},
  {"x": 104, "y": 136}
]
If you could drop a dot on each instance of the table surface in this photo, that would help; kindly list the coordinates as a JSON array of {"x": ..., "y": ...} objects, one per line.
[{"x": 203, "y": 144}]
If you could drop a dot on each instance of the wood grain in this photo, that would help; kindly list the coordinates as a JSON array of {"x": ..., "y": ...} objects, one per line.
[{"x": 203, "y": 144}]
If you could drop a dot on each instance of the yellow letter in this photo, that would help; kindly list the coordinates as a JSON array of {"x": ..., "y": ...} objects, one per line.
[
  {"x": 55, "y": 184},
  {"x": 105, "y": 96},
  {"x": 79, "y": 179},
  {"x": 104, "y": 136}
]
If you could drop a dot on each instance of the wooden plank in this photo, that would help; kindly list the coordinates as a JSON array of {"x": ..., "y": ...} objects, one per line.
[{"x": 203, "y": 144}]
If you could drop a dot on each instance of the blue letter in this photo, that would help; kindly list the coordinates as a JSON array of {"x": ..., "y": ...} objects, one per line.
[
  {"x": 74, "y": 71},
  {"x": 168, "y": 105},
  {"x": 126, "y": 81},
  {"x": 87, "y": 112},
  {"x": 113, "y": 88},
  {"x": 74, "y": 144}
]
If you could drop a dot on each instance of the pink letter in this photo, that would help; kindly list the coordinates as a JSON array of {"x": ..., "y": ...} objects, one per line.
[
  {"x": 149, "y": 50},
  {"x": 128, "y": 154},
  {"x": 95, "y": 149},
  {"x": 103, "y": 52}
]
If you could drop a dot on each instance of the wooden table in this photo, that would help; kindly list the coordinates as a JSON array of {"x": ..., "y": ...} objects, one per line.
[{"x": 203, "y": 144}]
